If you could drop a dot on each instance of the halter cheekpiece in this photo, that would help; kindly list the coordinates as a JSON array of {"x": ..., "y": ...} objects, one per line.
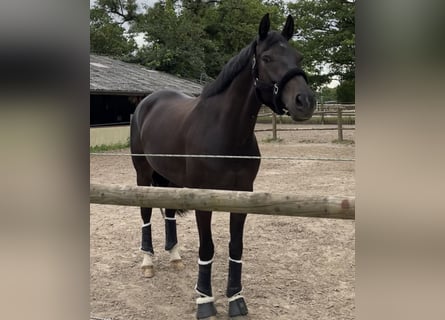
[{"x": 275, "y": 88}]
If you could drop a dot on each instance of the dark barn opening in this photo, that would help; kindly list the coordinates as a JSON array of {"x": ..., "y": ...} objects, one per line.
[{"x": 112, "y": 109}]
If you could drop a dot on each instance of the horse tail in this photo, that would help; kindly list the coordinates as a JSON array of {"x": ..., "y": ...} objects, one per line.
[{"x": 160, "y": 181}]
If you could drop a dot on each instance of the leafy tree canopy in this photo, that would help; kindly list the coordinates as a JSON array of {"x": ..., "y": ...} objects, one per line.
[
  {"x": 107, "y": 37},
  {"x": 195, "y": 38},
  {"x": 326, "y": 36}
]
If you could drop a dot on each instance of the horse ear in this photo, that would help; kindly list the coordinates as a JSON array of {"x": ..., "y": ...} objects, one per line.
[
  {"x": 288, "y": 30},
  {"x": 264, "y": 27}
]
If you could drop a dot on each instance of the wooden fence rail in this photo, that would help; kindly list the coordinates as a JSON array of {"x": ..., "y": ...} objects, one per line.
[
  {"x": 305, "y": 129},
  {"x": 339, "y": 112},
  {"x": 336, "y": 207}
]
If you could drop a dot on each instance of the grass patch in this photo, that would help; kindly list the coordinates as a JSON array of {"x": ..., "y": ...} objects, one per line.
[
  {"x": 344, "y": 141},
  {"x": 110, "y": 147},
  {"x": 313, "y": 120},
  {"x": 307, "y": 141}
]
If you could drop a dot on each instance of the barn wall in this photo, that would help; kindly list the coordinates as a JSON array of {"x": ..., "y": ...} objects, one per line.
[{"x": 109, "y": 135}]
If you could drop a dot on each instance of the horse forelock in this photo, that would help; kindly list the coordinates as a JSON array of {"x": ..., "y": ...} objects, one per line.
[{"x": 272, "y": 39}]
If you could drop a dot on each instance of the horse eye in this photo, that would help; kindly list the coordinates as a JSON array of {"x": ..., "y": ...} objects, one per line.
[{"x": 266, "y": 59}]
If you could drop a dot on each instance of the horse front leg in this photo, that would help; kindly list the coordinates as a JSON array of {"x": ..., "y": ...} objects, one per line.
[
  {"x": 205, "y": 303},
  {"x": 237, "y": 304},
  {"x": 171, "y": 239}
]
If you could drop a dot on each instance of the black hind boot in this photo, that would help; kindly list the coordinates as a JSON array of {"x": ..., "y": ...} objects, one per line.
[
  {"x": 146, "y": 243},
  {"x": 171, "y": 238},
  {"x": 147, "y": 249}
]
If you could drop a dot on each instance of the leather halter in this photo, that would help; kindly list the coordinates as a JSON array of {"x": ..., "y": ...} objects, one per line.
[{"x": 276, "y": 88}]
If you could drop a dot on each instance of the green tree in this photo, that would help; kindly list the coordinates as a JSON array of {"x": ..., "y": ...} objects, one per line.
[
  {"x": 120, "y": 10},
  {"x": 195, "y": 38},
  {"x": 346, "y": 91},
  {"x": 327, "y": 94},
  {"x": 174, "y": 41},
  {"x": 230, "y": 25},
  {"x": 326, "y": 37},
  {"x": 107, "y": 37}
]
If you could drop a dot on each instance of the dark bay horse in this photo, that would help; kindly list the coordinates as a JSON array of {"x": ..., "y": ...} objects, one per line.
[{"x": 220, "y": 121}]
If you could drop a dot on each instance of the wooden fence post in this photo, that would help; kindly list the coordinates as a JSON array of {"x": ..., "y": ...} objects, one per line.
[
  {"x": 340, "y": 124},
  {"x": 274, "y": 126},
  {"x": 322, "y": 111}
]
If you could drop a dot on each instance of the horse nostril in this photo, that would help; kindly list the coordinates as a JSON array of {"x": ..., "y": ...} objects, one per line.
[
  {"x": 305, "y": 100},
  {"x": 299, "y": 100}
]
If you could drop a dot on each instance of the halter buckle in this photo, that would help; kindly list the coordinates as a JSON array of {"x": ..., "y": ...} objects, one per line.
[{"x": 275, "y": 89}]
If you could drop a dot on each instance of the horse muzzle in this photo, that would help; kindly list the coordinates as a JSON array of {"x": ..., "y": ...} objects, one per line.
[{"x": 303, "y": 107}]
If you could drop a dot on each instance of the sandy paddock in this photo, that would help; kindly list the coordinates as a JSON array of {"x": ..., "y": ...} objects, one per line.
[{"x": 294, "y": 268}]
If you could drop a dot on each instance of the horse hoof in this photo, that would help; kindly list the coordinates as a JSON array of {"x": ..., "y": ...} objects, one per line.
[
  {"x": 148, "y": 271},
  {"x": 206, "y": 311},
  {"x": 237, "y": 307},
  {"x": 177, "y": 265}
]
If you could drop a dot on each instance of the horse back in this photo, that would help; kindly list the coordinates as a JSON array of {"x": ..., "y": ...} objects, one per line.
[{"x": 164, "y": 103}]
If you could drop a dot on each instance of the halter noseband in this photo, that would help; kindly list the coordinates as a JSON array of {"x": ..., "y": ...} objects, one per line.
[{"x": 276, "y": 87}]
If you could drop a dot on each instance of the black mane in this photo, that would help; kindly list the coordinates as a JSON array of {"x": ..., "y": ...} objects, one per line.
[
  {"x": 229, "y": 71},
  {"x": 235, "y": 65}
]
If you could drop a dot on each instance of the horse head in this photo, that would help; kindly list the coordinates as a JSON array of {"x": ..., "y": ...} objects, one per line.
[{"x": 279, "y": 80}]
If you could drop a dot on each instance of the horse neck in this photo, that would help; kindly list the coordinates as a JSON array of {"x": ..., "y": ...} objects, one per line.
[{"x": 241, "y": 103}]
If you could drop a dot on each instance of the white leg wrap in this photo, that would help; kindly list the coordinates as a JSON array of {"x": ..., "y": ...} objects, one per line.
[
  {"x": 147, "y": 261},
  {"x": 146, "y": 224},
  {"x": 235, "y": 297},
  {"x": 174, "y": 253},
  {"x": 168, "y": 218},
  {"x": 236, "y": 261},
  {"x": 204, "y": 263},
  {"x": 202, "y": 300}
]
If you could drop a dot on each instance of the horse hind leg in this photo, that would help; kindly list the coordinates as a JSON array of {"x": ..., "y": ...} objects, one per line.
[
  {"x": 171, "y": 238},
  {"x": 144, "y": 178},
  {"x": 147, "y": 244}
]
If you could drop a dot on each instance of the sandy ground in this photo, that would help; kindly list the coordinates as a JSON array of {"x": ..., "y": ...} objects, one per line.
[{"x": 294, "y": 268}]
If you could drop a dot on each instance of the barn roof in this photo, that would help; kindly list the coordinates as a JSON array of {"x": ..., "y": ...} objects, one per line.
[{"x": 108, "y": 75}]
